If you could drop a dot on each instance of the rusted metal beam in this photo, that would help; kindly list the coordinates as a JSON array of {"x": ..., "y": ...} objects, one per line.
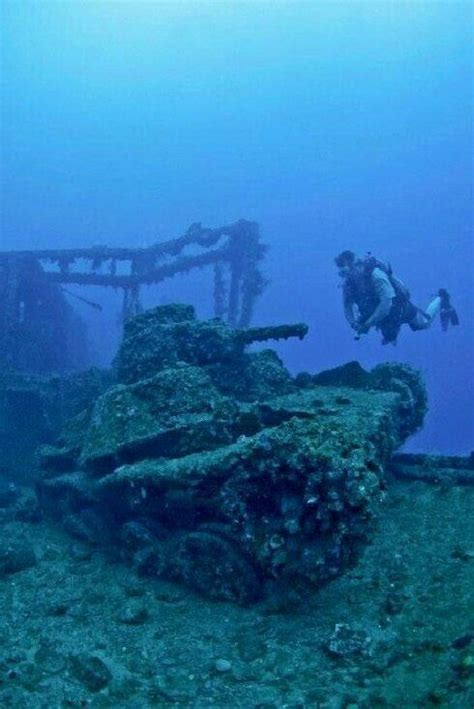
[
  {"x": 172, "y": 247},
  {"x": 27, "y": 316},
  {"x": 180, "y": 265}
]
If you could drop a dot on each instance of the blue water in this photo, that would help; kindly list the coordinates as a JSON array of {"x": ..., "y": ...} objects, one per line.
[{"x": 334, "y": 125}]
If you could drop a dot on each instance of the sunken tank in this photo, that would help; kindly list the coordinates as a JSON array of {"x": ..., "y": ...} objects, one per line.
[{"x": 212, "y": 466}]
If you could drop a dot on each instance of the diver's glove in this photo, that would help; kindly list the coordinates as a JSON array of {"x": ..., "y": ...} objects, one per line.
[{"x": 447, "y": 314}]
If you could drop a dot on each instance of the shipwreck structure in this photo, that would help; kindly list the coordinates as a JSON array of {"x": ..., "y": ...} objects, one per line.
[
  {"x": 212, "y": 466},
  {"x": 39, "y": 331}
]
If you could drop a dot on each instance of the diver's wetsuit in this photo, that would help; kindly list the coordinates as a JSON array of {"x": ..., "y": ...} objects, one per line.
[{"x": 384, "y": 307}]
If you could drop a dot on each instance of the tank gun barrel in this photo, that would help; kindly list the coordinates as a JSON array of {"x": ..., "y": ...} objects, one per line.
[{"x": 273, "y": 332}]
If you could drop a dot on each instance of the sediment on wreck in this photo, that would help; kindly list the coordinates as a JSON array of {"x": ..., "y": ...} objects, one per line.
[{"x": 212, "y": 466}]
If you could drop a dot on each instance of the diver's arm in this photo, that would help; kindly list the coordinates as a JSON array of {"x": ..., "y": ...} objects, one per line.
[
  {"x": 380, "y": 312},
  {"x": 349, "y": 310},
  {"x": 349, "y": 314},
  {"x": 385, "y": 294}
]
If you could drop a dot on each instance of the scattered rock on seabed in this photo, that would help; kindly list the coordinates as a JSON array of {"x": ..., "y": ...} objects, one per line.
[
  {"x": 91, "y": 671},
  {"x": 64, "y": 642},
  {"x": 79, "y": 628}
]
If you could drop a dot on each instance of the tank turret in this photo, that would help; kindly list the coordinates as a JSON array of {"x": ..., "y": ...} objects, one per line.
[{"x": 168, "y": 335}]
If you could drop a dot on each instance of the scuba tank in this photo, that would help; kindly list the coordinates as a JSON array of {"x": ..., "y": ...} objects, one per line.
[{"x": 401, "y": 291}]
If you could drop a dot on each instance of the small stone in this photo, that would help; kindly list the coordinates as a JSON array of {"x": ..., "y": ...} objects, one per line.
[
  {"x": 222, "y": 665},
  {"x": 91, "y": 671},
  {"x": 133, "y": 614}
]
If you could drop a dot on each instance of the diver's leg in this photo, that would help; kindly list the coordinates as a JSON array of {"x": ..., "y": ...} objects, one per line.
[
  {"x": 424, "y": 318},
  {"x": 421, "y": 321},
  {"x": 441, "y": 304},
  {"x": 433, "y": 308},
  {"x": 418, "y": 319}
]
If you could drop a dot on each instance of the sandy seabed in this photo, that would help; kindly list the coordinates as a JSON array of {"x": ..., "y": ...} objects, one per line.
[{"x": 81, "y": 629}]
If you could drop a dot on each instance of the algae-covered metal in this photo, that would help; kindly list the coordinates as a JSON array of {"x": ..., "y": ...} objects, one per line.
[{"x": 213, "y": 466}]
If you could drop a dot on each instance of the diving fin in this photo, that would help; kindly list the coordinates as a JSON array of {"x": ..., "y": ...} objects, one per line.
[
  {"x": 454, "y": 317},
  {"x": 448, "y": 314}
]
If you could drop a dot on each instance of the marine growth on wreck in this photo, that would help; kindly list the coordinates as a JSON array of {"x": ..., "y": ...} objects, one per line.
[{"x": 208, "y": 464}]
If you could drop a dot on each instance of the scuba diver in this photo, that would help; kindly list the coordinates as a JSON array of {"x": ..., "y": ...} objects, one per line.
[{"x": 374, "y": 297}]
